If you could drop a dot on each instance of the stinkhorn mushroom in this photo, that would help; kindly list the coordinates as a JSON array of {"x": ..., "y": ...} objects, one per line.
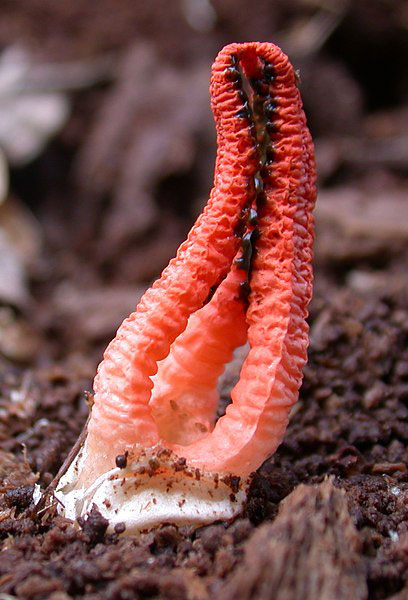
[{"x": 154, "y": 452}]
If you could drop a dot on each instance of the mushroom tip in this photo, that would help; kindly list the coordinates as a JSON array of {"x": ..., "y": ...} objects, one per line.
[{"x": 152, "y": 489}]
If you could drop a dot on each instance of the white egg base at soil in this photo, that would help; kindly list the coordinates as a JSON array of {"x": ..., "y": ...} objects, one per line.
[{"x": 143, "y": 498}]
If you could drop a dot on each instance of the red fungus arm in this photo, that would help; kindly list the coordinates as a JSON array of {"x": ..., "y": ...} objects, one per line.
[
  {"x": 280, "y": 281},
  {"x": 281, "y": 286},
  {"x": 121, "y": 417}
]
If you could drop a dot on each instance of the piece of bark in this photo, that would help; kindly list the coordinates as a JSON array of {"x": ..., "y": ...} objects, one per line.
[{"x": 310, "y": 552}]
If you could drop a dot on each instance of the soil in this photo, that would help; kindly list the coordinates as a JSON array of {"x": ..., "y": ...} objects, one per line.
[{"x": 97, "y": 214}]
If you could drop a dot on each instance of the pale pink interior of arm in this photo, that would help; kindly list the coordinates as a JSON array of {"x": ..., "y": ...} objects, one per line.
[{"x": 184, "y": 397}]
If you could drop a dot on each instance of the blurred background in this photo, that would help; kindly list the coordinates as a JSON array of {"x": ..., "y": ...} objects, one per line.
[{"x": 107, "y": 147}]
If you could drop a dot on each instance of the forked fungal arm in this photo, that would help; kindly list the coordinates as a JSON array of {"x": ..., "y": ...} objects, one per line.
[{"x": 177, "y": 465}]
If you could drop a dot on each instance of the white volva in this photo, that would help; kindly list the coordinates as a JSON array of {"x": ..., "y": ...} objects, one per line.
[{"x": 150, "y": 491}]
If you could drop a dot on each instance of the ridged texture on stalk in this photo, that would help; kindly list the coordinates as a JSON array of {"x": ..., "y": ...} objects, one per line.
[
  {"x": 121, "y": 418},
  {"x": 281, "y": 286}
]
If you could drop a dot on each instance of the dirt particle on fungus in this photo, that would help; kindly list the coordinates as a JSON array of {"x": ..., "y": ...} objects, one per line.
[
  {"x": 232, "y": 481},
  {"x": 94, "y": 525},
  {"x": 163, "y": 452},
  {"x": 119, "y": 528},
  {"x": 154, "y": 465},
  {"x": 121, "y": 460},
  {"x": 180, "y": 464},
  {"x": 200, "y": 427}
]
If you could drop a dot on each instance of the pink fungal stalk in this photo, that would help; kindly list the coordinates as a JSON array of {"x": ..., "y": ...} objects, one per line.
[{"x": 154, "y": 451}]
